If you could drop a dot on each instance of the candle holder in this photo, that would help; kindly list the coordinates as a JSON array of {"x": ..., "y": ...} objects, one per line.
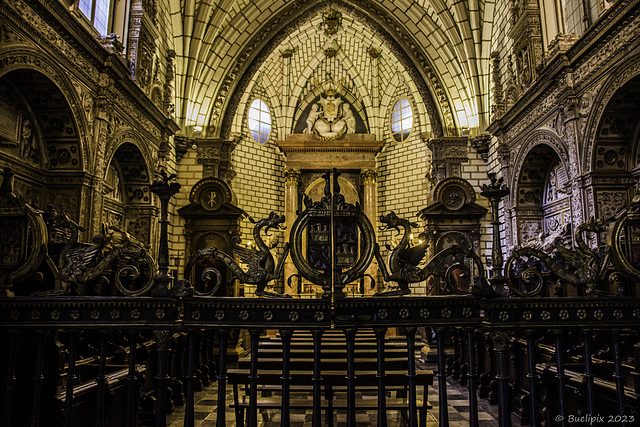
[
  {"x": 495, "y": 192},
  {"x": 165, "y": 187}
]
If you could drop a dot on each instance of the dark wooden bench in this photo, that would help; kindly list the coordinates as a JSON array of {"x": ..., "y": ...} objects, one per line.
[
  {"x": 333, "y": 364},
  {"x": 332, "y": 381}
]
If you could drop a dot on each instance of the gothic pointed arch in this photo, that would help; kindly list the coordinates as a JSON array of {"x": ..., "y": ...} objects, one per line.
[{"x": 258, "y": 49}]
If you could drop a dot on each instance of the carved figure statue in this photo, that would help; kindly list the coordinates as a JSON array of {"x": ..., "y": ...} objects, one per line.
[
  {"x": 261, "y": 267},
  {"x": 313, "y": 116},
  {"x": 330, "y": 118},
  {"x": 404, "y": 259},
  {"x": 347, "y": 115}
]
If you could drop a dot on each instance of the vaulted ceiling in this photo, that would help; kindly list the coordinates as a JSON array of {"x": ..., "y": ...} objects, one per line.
[{"x": 438, "y": 48}]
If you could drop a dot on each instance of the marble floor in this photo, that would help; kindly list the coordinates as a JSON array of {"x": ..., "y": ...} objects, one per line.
[{"x": 457, "y": 403}]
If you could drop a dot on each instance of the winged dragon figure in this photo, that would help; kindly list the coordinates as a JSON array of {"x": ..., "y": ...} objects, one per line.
[
  {"x": 80, "y": 263},
  {"x": 580, "y": 267},
  {"x": 261, "y": 267},
  {"x": 404, "y": 258}
]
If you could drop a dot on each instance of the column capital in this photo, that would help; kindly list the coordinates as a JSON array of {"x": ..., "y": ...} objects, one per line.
[
  {"x": 369, "y": 176},
  {"x": 292, "y": 176}
]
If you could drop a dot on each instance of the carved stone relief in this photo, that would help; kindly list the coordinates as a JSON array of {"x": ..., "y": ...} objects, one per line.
[
  {"x": 609, "y": 203},
  {"x": 528, "y": 229}
]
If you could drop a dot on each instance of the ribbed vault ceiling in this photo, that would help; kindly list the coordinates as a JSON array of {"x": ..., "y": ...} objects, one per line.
[{"x": 439, "y": 48}]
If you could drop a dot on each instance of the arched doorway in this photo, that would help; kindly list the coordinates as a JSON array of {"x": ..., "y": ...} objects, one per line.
[
  {"x": 543, "y": 204},
  {"x": 127, "y": 201},
  {"x": 615, "y": 157}
]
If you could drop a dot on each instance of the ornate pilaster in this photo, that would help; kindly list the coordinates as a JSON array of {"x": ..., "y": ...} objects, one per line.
[
  {"x": 142, "y": 42},
  {"x": 374, "y": 54},
  {"x": 286, "y": 56},
  {"x": 100, "y": 135},
  {"x": 368, "y": 178},
  {"x": 292, "y": 180},
  {"x": 497, "y": 107},
  {"x": 169, "y": 86},
  {"x": 215, "y": 157},
  {"x": 527, "y": 41},
  {"x": 447, "y": 156}
]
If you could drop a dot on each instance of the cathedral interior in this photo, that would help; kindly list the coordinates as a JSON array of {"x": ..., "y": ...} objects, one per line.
[{"x": 309, "y": 196}]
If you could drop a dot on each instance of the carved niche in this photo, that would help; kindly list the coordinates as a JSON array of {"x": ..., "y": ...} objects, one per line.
[
  {"x": 447, "y": 156},
  {"x": 212, "y": 219},
  {"x": 526, "y": 34},
  {"x": 142, "y": 42}
]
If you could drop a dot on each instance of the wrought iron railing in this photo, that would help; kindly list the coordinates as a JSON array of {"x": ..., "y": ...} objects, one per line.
[{"x": 134, "y": 350}]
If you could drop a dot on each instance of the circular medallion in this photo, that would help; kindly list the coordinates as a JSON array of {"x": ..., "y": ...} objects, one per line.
[
  {"x": 610, "y": 157},
  {"x": 453, "y": 198},
  {"x": 211, "y": 199}
]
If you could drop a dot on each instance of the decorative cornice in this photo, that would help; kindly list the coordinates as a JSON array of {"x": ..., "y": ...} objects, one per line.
[{"x": 552, "y": 84}]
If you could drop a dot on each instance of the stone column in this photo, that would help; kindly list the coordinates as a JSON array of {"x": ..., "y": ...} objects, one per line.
[
  {"x": 370, "y": 205},
  {"x": 292, "y": 179}
]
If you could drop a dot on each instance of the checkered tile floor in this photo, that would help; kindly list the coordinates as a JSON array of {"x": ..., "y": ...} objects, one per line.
[{"x": 206, "y": 410}]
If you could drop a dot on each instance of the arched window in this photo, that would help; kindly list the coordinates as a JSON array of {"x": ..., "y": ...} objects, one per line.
[
  {"x": 259, "y": 121},
  {"x": 401, "y": 119}
]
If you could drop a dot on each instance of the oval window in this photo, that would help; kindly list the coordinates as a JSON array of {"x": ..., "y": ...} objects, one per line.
[
  {"x": 401, "y": 119},
  {"x": 259, "y": 121}
]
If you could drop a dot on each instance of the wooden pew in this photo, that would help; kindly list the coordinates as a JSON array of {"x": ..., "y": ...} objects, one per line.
[{"x": 334, "y": 372}]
